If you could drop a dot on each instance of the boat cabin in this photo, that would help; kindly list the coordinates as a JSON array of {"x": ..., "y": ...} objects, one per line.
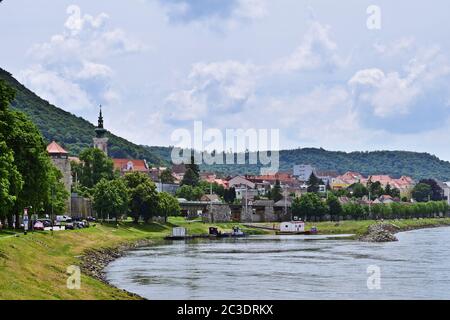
[{"x": 292, "y": 226}]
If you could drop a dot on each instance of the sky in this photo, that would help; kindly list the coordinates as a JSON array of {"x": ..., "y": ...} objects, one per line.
[{"x": 334, "y": 75}]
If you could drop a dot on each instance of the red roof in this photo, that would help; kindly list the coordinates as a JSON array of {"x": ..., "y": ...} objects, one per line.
[
  {"x": 54, "y": 148},
  {"x": 130, "y": 165}
]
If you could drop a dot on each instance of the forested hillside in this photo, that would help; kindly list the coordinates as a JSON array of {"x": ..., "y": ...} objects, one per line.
[
  {"x": 73, "y": 132},
  {"x": 394, "y": 163}
]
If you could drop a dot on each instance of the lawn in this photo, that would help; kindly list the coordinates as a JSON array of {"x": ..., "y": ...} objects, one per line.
[{"x": 34, "y": 266}]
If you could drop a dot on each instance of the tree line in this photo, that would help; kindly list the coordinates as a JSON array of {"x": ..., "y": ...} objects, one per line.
[
  {"x": 28, "y": 178},
  {"x": 311, "y": 206}
]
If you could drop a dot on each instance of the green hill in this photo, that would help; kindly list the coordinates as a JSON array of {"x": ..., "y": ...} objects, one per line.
[
  {"x": 72, "y": 132},
  {"x": 75, "y": 134},
  {"x": 394, "y": 163}
]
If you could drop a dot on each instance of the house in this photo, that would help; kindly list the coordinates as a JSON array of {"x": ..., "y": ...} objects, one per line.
[
  {"x": 346, "y": 180},
  {"x": 447, "y": 191},
  {"x": 211, "y": 198},
  {"x": 130, "y": 165},
  {"x": 404, "y": 183},
  {"x": 326, "y": 176},
  {"x": 239, "y": 182}
]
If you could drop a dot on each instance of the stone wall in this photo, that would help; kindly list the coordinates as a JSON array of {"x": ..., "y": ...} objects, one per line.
[
  {"x": 217, "y": 213},
  {"x": 63, "y": 164}
]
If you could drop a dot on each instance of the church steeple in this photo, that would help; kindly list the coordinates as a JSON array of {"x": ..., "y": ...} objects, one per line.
[
  {"x": 100, "y": 141},
  {"x": 100, "y": 130}
]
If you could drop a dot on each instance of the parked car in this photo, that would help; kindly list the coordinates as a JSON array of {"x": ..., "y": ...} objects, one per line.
[
  {"x": 69, "y": 226},
  {"x": 38, "y": 226},
  {"x": 63, "y": 218}
]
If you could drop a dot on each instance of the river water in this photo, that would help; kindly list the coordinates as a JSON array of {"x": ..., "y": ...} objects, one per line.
[{"x": 290, "y": 267}]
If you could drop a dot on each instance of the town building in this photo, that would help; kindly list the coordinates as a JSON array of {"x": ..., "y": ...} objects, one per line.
[
  {"x": 130, "y": 165},
  {"x": 60, "y": 158}
]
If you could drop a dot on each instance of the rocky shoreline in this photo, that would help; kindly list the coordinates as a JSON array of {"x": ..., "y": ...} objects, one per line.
[
  {"x": 94, "y": 261},
  {"x": 385, "y": 231},
  {"x": 380, "y": 232}
]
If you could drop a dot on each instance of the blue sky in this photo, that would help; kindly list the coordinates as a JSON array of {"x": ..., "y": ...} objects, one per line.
[{"x": 309, "y": 68}]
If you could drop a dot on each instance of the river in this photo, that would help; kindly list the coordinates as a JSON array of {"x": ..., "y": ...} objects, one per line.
[{"x": 290, "y": 267}]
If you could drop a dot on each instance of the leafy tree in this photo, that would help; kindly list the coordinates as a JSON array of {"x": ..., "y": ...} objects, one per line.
[
  {"x": 192, "y": 175},
  {"x": 10, "y": 181},
  {"x": 437, "y": 194},
  {"x": 57, "y": 195},
  {"x": 314, "y": 183},
  {"x": 308, "y": 205},
  {"x": 31, "y": 160},
  {"x": 94, "y": 165},
  {"x": 110, "y": 198},
  {"x": 359, "y": 190},
  {"x": 375, "y": 188},
  {"x": 214, "y": 187},
  {"x": 229, "y": 195},
  {"x": 422, "y": 192},
  {"x": 334, "y": 206},
  {"x": 190, "y": 178},
  {"x": 143, "y": 196},
  {"x": 166, "y": 176},
  {"x": 190, "y": 193},
  {"x": 276, "y": 192},
  {"x": 168, "y": 205}
]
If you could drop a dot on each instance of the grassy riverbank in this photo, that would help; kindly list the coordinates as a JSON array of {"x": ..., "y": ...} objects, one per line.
[{"x": 34, "y": 266}]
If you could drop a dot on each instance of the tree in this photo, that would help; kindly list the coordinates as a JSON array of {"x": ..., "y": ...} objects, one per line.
[
  {"x": 422, "y": 192},
  {"x": 168, "y": 205},
  {"x": 334, "y": 206},
  {"x": 375, "y": 188},
  {"x": 57, "y": 195},
  {"x": 359, "y": 190},
  {"x": 166, "y": 176},
  {"x": 190, "y": 193},
  {"x": 10, "y": 181},
  {"x": 31, "y": 160},
  {"x": 308, "y": 205},
  {"x": 111, "y": 198},
  {"x": 143, "y": 196},
  {"x": 192, "y": 175},
  {"x": 314, "y": 183},
  {"x": 276, "y": 192},
  {"x": 229, "y": 195},
  {"x": 94, "y": 165},
  {"x": 437, "y": 194}
]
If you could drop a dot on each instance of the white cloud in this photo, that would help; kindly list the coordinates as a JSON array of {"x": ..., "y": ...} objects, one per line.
[
  {"x": 316, "y": 51},
  {"x": 396, "y": 47},
  {"x": 391, "y": 93},
  {"x": 75, "y": 57},
  {"x": 214, "y": 87}
]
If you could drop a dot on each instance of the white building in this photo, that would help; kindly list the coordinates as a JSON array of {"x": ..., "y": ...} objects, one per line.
[{"x": 292, "y": 226}]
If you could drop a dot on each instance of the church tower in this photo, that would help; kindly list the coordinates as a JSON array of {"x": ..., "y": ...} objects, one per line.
[{"x": 100, "y": 141}]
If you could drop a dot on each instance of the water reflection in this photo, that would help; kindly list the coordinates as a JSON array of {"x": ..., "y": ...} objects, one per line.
[{"x": 288, "y": 267}]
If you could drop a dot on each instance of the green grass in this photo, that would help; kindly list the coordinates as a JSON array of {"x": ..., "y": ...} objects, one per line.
[
  {"x": 34, "y": 266},
  {"x": 359, "y": 227}
]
